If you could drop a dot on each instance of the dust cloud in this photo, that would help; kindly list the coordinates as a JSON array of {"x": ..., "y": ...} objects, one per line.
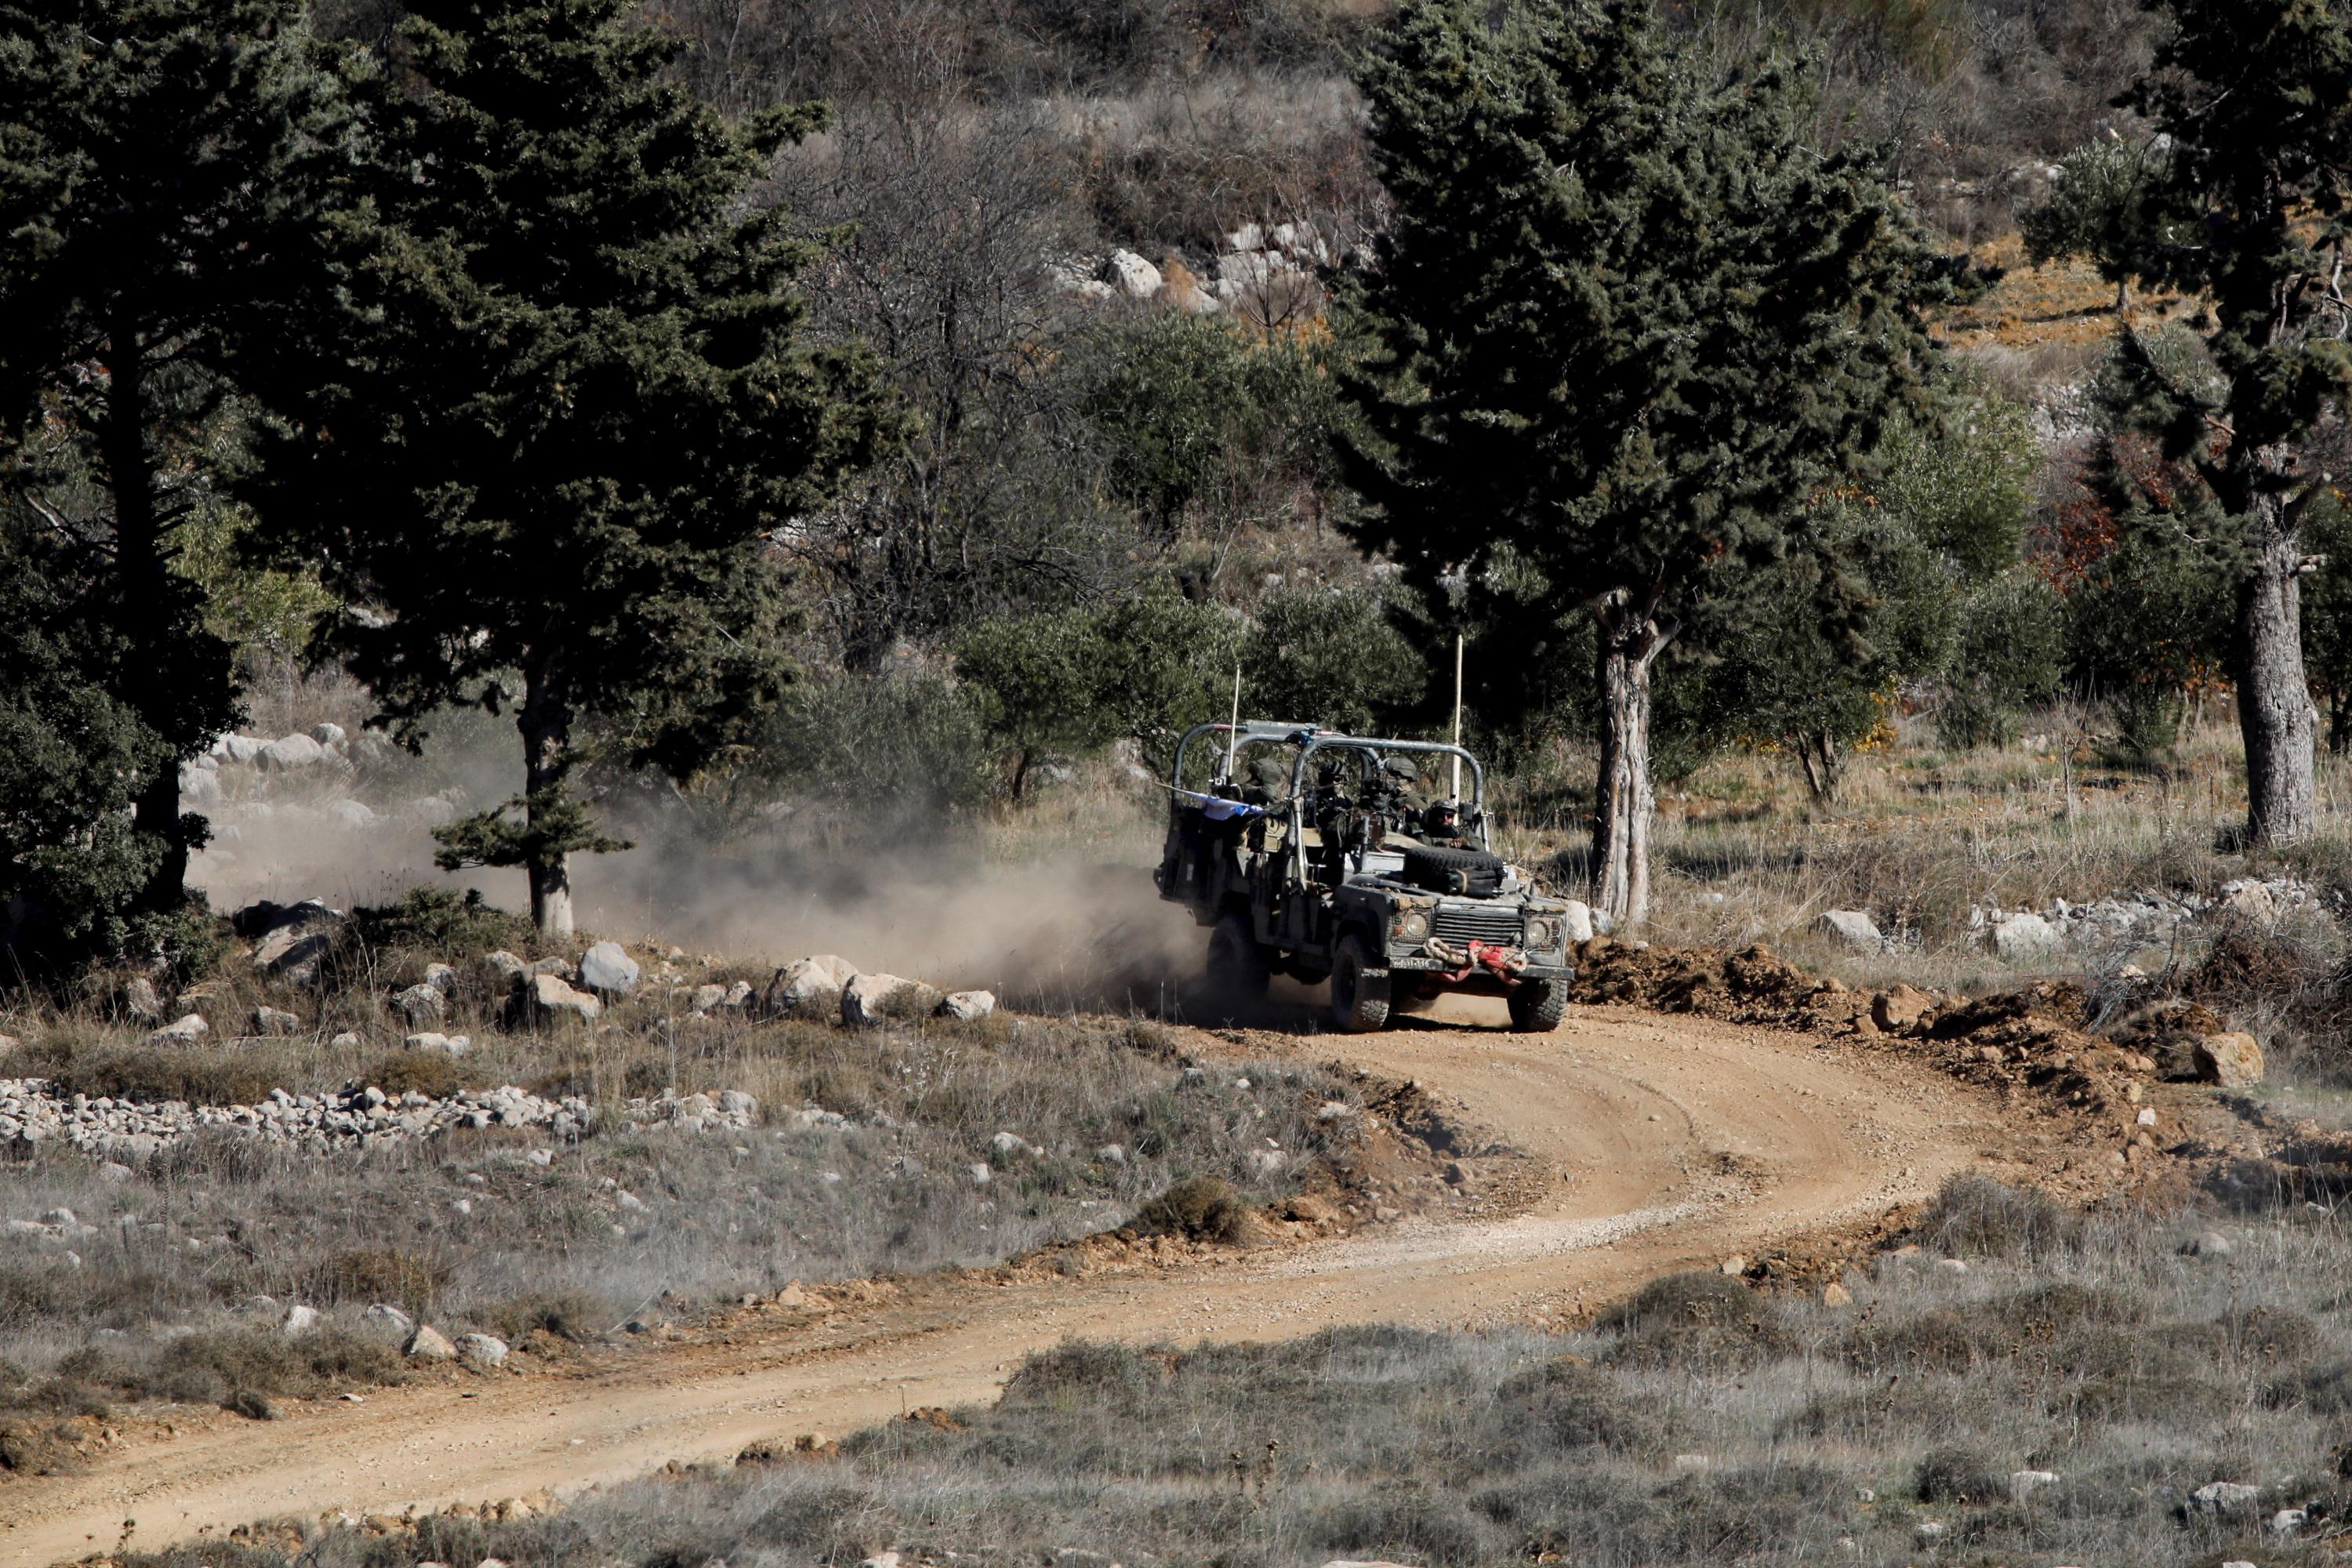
[{"x": 1049, "y": 933}]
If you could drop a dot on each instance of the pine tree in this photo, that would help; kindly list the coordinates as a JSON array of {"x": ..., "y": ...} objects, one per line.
[
  {"x": 148, "y": 206},
  {"x": 2246, "y": 211},
  {"x": 564, "y": 399},
  {"x": 1627, "y": 319}
]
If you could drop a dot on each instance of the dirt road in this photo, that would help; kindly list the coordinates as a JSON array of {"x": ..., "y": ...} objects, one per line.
[{"x": 1651, "y": 1143}]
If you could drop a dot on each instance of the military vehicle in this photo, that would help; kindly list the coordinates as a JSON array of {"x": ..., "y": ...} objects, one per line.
[{"x": 1326, "y": 856}]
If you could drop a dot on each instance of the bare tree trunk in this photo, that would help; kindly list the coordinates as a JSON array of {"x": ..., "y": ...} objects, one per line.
[
  {"x": 1625, "y": 802},
  {"x": 546, "y": 724},
  {"x": 2275, "y": 711},
  {"x": 147, "y": 598},
  {"x": 1817, "y": 753}
]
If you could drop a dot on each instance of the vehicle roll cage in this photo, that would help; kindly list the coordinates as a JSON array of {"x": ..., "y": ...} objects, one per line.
[{"x": 1311, "y": 739}]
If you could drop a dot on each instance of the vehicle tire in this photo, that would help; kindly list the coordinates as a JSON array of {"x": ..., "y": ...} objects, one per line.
[
  {"x": 1536, "y": 1007},
  {"x": 1440, "y": 868},
  {"x": 1237, "y": 968},
  {"x": 1359, "y": 986}
]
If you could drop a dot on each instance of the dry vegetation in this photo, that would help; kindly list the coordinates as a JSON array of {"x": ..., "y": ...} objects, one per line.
[
  {"x": 506, "y": 1230},
  {"x": 2126, "y": 1354}
]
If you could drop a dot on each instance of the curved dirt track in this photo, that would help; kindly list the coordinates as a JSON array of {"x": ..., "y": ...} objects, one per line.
[{"x": 1648, "y": 1143}]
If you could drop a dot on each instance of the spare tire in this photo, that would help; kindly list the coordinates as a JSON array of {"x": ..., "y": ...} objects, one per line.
[{"x": 1477, "y": 872}]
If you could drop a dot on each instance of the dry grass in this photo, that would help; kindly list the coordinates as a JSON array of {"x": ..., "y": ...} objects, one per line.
[
  {"x": 2092, "y": 1348},
  {"x": 473, "y": 1230}
]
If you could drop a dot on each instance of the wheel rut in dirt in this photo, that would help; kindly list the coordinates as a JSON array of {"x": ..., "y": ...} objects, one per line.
[{"x": 1637, "y": 1143}]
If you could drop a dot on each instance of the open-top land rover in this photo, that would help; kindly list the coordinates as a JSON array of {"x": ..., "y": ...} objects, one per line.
[{"x": 1324, "y": 856}]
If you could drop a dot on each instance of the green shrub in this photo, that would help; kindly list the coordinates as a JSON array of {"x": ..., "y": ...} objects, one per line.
[
  {"x": 451, "y": 927},
  {"x": 2008, "y": 652}
]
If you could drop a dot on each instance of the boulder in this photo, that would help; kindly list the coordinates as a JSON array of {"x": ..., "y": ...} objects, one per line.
[
  {"x": 327, "y": 734},
  {"x": 1067, "y": 279},
  {"x": 419, "y": 1004},
  {"x": 807, "y": 987},
  {"x": 198, "y": 787},
  {"x": 608, "y": 971},
  {"x": 289, "y": 752},
  {"x": 238, "y": 747},
  {"x": 428, "y": 1343},
  {"x": 507, "y": 964},
  {"x": 299, "y": 1321},
  {"x": 871, "y": 998},
  {"x": 183, "y": 1031},
  {"x": 385, "y": 1315},
  {"x": 442, "y": 978},
  {"x": 434, "y": 1041},
  {"x": 2228, "y": 1061},
  {"x": 353, "y": 814},
  {"x": 2024, "y": 938},
  {"x": 708, "y": 998},
  {"x": 2023, "y": 1484},
  {"x": 2249, "y": 901},
  {"x": 272, "y": 1021},
  {"x": 1131, "y": 275},
  {"x": 1577, "y": 921},
  {"x": 1855, "y": 928},
  {"x": 738, "y": 994},
  {"x": 2208, "y": 1244},
  {"x": 481, "y": 1350},
  {"x": 2223, "y": 1497},
  {"x": 292, "y": 953},
  {"x": 970, "y": 1006},
  {"x": 736, "y": 1103},
  {"x": 550, "y": 996},
  {"x": 1901, "y": 1009}
]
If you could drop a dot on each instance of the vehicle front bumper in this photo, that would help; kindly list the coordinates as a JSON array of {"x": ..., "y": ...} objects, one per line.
[{"x": 1422, "y": 963}]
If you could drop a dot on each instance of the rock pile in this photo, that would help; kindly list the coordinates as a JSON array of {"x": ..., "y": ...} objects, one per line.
[
  {"x": 827, "y": 984},
  {"x": 2118, "y": 923},
  {"x": 1260, "y": 271},
  {"x": 123, "y": 1130}
]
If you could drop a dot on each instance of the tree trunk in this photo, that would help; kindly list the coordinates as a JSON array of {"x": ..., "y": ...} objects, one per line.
[
  {"x": 1625, "y": 802},
  {"x": 148, "y": 605},
  {"x": 546, "y": 724},
  {"x": 2275, "y": 711},
  {"x": 1818, "y": 755}
]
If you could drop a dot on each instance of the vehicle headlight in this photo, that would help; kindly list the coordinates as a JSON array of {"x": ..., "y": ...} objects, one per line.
[
  {"x": 1542, "y": 934},
  {"x": 1412, "y": 925}
]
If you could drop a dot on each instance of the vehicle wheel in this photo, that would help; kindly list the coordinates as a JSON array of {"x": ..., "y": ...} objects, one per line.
[
  {"x": 1237, "y": 968},
  {"x": 1537, "y": 1005},
  {"x": 1359, "y": 987}
]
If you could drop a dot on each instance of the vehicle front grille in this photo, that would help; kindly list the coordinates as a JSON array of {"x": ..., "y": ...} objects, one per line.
[{"x": 1458, "y": 924}]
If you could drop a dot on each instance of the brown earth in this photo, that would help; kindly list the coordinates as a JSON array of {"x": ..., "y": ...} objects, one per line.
[{"x": 1625, "y": 1145}]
